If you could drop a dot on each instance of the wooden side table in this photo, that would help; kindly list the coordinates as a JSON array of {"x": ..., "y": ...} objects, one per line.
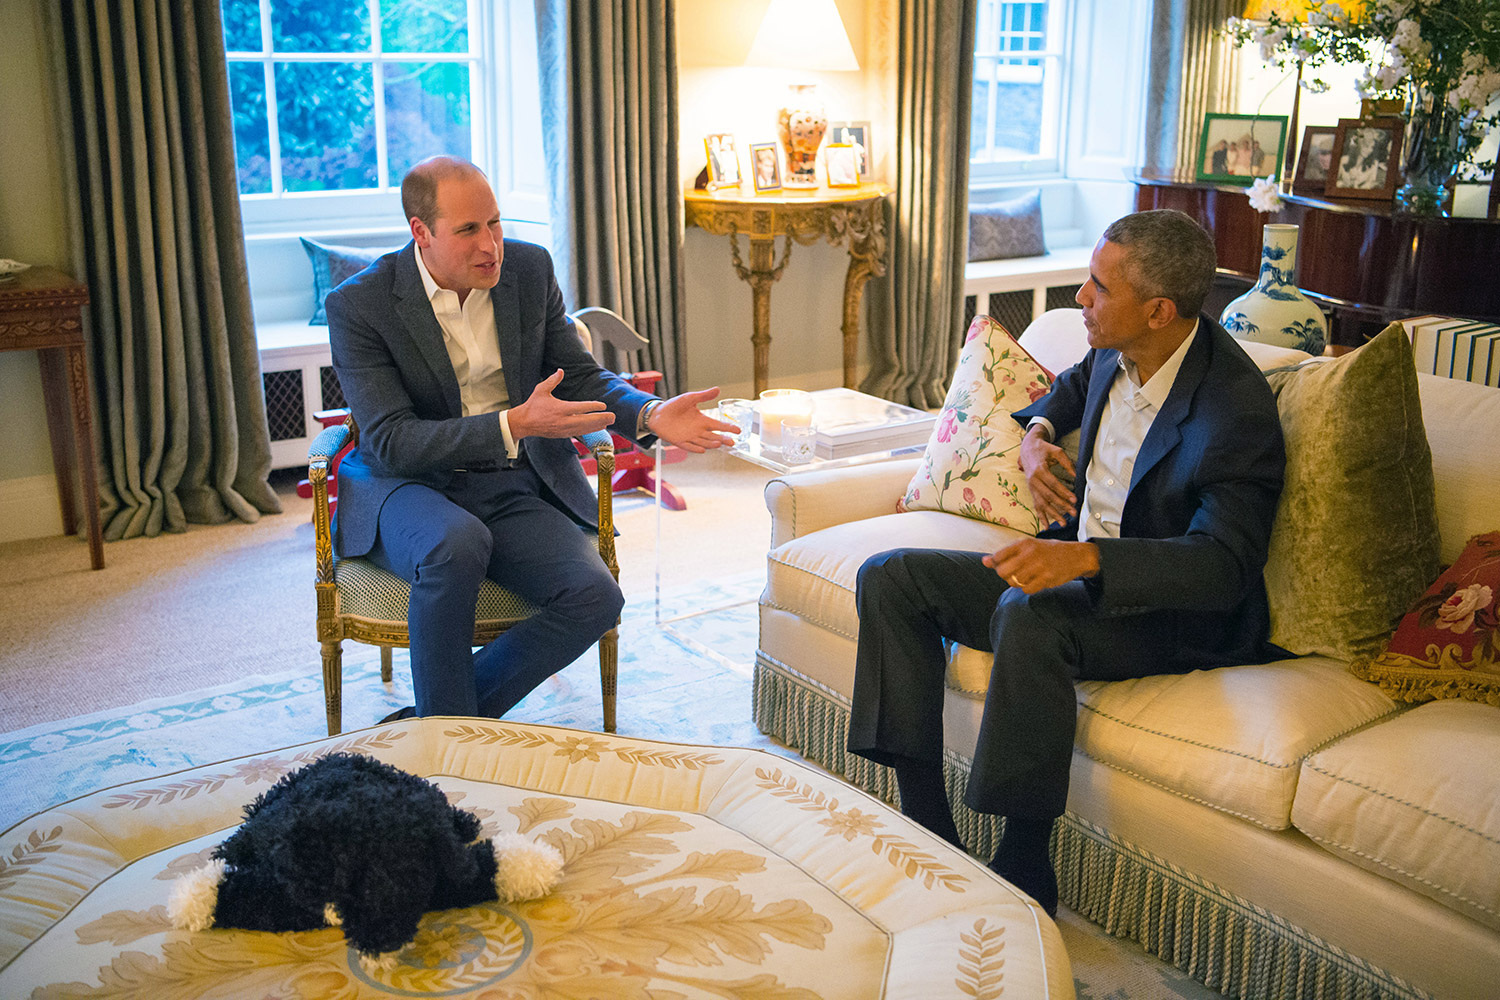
[
  {"x": 853, "y": 216},
  {"x": 41, "y": 310}
]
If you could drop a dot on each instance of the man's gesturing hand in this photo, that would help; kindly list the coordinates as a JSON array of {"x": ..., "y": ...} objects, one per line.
[
  {"x": 1055, "y": 502},
  {"x": 679, "y": 421},
  {"x": 1034, "y": 564},
  {"x": 544, "y": 415}
]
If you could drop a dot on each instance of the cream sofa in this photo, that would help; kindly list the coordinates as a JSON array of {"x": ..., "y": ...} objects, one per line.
[{"x": 1277, "y": 830}]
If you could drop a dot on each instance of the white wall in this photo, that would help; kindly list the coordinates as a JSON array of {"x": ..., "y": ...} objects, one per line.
[{"x": 33, "y": 228}]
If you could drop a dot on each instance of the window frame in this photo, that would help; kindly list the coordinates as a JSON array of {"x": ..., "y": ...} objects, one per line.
[
  {"x": 496, "y": 31},
  {"x": 1051, "y": 155}
]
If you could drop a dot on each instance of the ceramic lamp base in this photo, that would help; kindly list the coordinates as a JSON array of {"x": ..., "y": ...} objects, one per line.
[{"x": 801, "y": 124}]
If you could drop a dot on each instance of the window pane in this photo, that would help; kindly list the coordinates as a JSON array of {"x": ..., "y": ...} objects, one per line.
[
  {"x": 325, "y": 26},
  {"x": 426, "y": 112},
  {"x": 241, "y": 25},
  {"x": 434, "y": 26},
  {"x": 252, "y": 136},
  {"x": 325, "y": 115}
]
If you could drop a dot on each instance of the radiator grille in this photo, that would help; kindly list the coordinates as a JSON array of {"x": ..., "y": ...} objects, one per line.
[
  {"x": 333, "y": 395},
  {"x": 1061, "y": 297},
  {"x": 284, "y": 413}
]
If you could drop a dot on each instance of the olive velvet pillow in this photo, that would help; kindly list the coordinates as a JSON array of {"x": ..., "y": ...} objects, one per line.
[{"x": 1356, "y": 536}]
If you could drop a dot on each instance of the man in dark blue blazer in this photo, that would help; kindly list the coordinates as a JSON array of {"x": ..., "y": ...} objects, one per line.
[
  {"x": 467, "y": 380},
  {"x": 1151, "y": 562}
]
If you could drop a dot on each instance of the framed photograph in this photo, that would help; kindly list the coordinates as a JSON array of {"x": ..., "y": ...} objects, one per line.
[
  {"x": 1236, "y": 149},
  {"x": 1314, "y": 159},
  {"x": 1381, "y": 107},
  {"x": 856, "y": 134},
  {"x": 723, "y": 161},
  {"x": 842, "y": 163},
  {"x": 1366, "y": 160},
  {"x": 765, "y": 166}
]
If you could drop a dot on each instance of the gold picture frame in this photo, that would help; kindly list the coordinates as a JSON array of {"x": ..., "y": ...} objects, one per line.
[
  {"x": 765, "y": 166},
  {"x": 723, "y": 160},
  {"x": 841, "y": 161}
]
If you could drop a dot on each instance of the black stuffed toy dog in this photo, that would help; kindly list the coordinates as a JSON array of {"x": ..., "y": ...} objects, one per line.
[{"x": 350, "y": 841}]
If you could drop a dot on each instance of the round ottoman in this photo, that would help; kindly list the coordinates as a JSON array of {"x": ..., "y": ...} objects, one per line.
[{"x": 690, "y": 871}]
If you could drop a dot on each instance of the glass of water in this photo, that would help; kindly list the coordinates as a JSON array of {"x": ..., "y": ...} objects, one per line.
[
  {"x": 741, "y": 413},
  {"x": 797, "y": 443}
]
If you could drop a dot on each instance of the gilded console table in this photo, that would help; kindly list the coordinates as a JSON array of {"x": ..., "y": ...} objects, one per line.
[
  {"x": 853, "y": 217},
  {"x": 41, "y": 310}
]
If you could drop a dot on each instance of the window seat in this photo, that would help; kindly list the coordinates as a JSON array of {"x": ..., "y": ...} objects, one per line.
[{"x": 1018, "y": 290}]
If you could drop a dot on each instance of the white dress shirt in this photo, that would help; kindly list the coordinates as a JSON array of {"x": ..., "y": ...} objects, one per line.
[
  {"x": 1128, "y": 414},
  {"x": 474, "y": 349}
]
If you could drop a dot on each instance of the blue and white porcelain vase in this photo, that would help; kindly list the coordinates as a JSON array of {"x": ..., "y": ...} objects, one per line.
[{"x": 1274, "y": 311}]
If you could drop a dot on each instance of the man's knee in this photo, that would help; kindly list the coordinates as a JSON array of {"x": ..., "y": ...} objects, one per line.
[
  {"x": 461, "y": 551},
  {"x": 1019, "y": 615},
  {"x": 879, "y": 574},
  {"x": 594, "y": 599}
]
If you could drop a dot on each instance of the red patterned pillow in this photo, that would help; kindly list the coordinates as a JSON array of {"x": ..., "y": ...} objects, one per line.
[{"x": 1448, "y": 643}]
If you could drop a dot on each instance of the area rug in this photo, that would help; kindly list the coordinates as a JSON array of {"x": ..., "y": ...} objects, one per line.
[{"x": 684, "y": 678}]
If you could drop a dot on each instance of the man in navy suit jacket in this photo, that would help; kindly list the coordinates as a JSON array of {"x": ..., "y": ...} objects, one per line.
[
  {"x": 1151, "y": 562},
  {"x": 466, "y": 380}
]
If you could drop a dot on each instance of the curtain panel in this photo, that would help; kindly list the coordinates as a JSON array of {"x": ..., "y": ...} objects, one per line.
[
  {"x": 916, "y": 310},
  {"x": 1194, "y": 70},
  {"x": 155, "y": 232},
  {"x": 610, "y": 123}
]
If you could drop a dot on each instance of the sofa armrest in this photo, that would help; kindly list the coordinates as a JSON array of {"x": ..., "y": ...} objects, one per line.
[{"x": 809, "y": 501}]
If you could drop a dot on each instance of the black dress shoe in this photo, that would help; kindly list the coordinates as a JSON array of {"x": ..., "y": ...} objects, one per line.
[{"x": 409, "y": 712}]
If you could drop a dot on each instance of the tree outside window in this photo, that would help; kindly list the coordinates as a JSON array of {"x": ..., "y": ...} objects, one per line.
[{"x": 345, "y": 95}]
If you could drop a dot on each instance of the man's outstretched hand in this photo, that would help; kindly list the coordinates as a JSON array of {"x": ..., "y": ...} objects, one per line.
[
  {"x": 544, "y": 415},
  {"x": 679, "y": 421}
]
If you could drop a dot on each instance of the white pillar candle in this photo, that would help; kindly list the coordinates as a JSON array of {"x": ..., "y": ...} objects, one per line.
[{"x": 782, "y": 406}]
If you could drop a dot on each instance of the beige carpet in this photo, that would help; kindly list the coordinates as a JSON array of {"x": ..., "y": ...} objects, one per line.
[{"x": 181, "y": 612}]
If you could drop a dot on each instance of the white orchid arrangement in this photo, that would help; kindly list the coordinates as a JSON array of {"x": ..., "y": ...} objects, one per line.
[
  {"x": 1265, "y": 195},
  {"x": 1430, "y": 53}
]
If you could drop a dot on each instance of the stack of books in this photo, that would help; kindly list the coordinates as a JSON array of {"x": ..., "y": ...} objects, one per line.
[
  {"x": 1456, "y": 348},
  {"x": 852, "y": 423}
]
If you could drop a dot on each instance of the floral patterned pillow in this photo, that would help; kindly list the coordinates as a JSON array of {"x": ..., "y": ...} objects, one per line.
[
  {"x": 1448, "y": 644},
  {"x": 971, "y": 464}
]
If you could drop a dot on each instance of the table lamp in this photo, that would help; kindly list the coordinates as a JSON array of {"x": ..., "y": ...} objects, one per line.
[
  {"x": 1290, "y": 12},
  {"x": 803, "y": 35}
]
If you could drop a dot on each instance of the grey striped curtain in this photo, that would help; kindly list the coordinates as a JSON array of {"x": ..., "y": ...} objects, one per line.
[
  {"x": 155, "y": 233},
  {"x": 1194, "y": 70},
  {"x": 916, "y": 310},
  {"x": 609, "y": 122}
]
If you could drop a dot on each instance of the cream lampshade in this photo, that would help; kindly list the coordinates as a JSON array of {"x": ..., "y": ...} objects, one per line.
[{"x": 803, "y": 35}]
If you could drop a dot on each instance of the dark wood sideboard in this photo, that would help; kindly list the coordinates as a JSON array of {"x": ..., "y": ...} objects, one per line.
[{"x": 1364, "y": 263}]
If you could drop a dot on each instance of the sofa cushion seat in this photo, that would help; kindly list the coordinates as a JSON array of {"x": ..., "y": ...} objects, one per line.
[
  {"x": 814, "y": 576},
  {"x": 1416, "y": 799},
  {"x": 1232, "y": 738}
]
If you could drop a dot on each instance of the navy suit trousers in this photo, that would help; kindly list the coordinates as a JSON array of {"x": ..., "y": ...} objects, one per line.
[
  {"x": 910, "y": 600},
  {"x": 502, "y": 525}
]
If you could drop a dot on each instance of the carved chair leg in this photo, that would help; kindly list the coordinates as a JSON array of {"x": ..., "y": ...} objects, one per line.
[
  {"x": 333, "y": 685},
  {"x": 385, "y": 664},
  {"x": 609, "y": 669}
]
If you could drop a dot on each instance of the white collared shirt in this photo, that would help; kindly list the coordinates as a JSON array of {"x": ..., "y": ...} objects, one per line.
[
  {"x": 1128, "y": 414},
  {"x": 473, "y": 346}
]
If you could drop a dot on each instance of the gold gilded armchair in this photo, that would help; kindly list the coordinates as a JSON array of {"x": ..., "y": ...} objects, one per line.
[{"x": 358, "y": 600}]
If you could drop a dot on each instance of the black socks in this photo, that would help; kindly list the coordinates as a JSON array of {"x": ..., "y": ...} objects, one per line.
[
  {"x": 924, "y": 799},
  {"x": 1023, "y": 862}
]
